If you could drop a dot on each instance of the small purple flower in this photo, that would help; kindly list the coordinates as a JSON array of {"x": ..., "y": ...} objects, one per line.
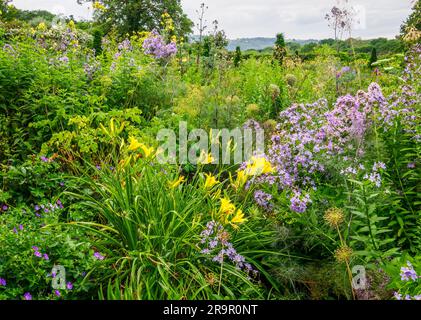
[
  {"x": 35, "y": 248},
  {"x": 61, "y": 184},
  {"x": 20, "y": 227},
  {"x": 37, "y": 254},
  {"x": 98, "y": 256},
  {"x": 15, "y": 230},
  {"x": 397, "y": 296},
  {"x": 408, "y": 273},
  {"x": 44, "y": 159},
  {"x": 37, "y": 208},
  {"x": 60, "y": 204},
  {"x": 27, "y": 296},
  {"x": 2, "y": 282},
  {"x": 411, "y": 165},
  {"x": 57, "y": 293},
  {"x": 69, "y": 285},
  {"x": 46, "y": 257},
  {"x": 98, "y": 167},
  {"x": 4, "y": 207}
]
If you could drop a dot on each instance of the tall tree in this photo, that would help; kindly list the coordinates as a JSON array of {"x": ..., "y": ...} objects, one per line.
[
  {"x": 280, "y": 51},
  {"x": 237, "y": 56},
  {"x": 414, "y": 19},
  {"x": 373, "y": 57},
  {"x": 139, "y": 15},
  {"x": 411, "y": 28}
]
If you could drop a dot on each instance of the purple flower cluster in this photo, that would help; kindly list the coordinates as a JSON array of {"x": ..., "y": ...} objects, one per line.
[
  {"x": 343, "y": 71},
  {"x": 299, "y": 202},
  {"x": 9, "y": 49},
  {"x": 155, "y": 45},
  {"x": 37, "y": 253},
  {"x": 408, "y": 272},
  {"x": 215, "y": 239},
  {"x": 48, "y": 207},
  {"x": 263, "y": 200},
  {"x": 124, "y": 46},
  {"x": 312, "y": 135},
  {"x": 3, "y": 282},
  {"x": 91, "y": 69}
]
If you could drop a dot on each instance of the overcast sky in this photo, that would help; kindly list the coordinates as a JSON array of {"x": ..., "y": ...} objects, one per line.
[{"x": 299, "y": 19}]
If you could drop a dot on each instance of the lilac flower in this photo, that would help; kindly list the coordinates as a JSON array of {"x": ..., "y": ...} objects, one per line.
[
  {"x": 69, "y": 285},
  {"x": 263, "y": 199},
  {"x": 3, "y": 282},
  {"x": 27, "y": 296},
  {"x": 299, "y": 203},
  {"x": 408, "y": 273},
  {"x": 155, "y": 46},
  {"x": 98, "y": 256},
  {"x": 213, "y": 244}
]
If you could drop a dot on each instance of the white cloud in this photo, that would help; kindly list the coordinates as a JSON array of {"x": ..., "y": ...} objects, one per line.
[{"x": 301, "y": 19}]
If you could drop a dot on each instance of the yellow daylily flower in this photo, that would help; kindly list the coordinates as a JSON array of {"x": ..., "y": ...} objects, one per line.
[
  {"x": 238, "y": 218},
  {"x": 241, "y": 179},
  {"x": 210, "y": 181},
  {"x": 174, "y": 184},
  {"x": 147, "y": 151},
  {"x": 227, "y": 207},
  {"x": 134, "y": 144},
  {"x": 258, "y": 166},
  {"x": 206, "y": 158}
]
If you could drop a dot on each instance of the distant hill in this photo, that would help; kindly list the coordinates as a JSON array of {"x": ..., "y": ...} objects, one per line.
[
  {"x": 261, "y": 43},
  {"x": 257, "y": 43}
]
